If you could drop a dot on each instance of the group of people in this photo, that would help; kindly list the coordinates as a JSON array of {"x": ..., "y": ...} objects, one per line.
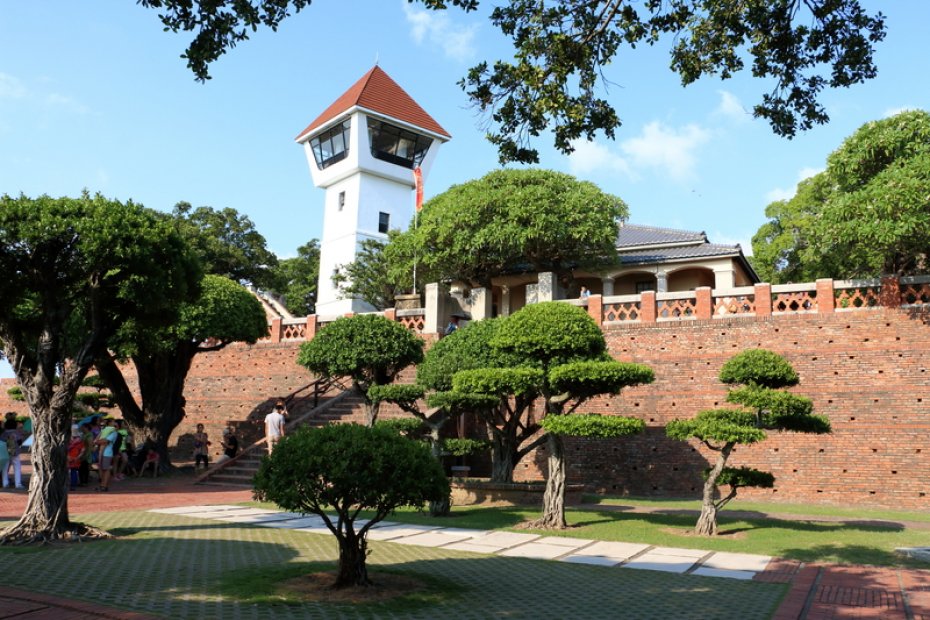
[
  {"x": 109, "y": 445},
  {"x": 202, "y": 443},
  {"x": 12, "y": 438}
]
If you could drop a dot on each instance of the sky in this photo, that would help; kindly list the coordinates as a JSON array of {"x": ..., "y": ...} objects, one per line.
[{"x": 95, "y": 95}]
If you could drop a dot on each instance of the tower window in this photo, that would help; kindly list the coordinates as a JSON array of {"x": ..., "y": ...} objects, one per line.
[
  {"x": 398, "y": 146},
  {"x": 342, "y": 200},
  {"x": 384, "y": 222},
  {"x": 332, "y": 145}
]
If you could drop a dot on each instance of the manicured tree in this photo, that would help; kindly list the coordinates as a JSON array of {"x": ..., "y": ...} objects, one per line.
[
  {"x": 347, "y": 468},
  {"x": 368, "y": 348},
  {"x": 761, "y": 375},
  {"x": 223, "y": 313},
  {"x": 440, "y": 408},
  {"x": 75, "y": 271},
  {"x": 564, "y": 343},
  {"x": 466, "y": 362}
]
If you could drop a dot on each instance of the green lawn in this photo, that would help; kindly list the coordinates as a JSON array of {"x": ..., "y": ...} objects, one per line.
[
  {"x": 183, "y": 568},
  {"x": 850, "y": 541}
]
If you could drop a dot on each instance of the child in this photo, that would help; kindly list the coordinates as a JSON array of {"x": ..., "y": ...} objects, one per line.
[
  {"x": 75, "y": 455},
  {"x": 153, "y": 460}
]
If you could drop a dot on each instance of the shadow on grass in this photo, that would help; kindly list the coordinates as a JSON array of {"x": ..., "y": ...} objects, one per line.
[{"x": 855, "y": 554}]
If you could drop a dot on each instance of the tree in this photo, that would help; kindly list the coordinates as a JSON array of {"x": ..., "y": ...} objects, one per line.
[
  {"x": 567, "y": 350},
  {"x": 376, "y": 276},
  {"x": 75, "y": 271},
  {"x": 561, "y": 49},
  {"x": 368, "y": 348},
  {"x": 764, "y": 406},
  {"x": 530, "y": 219},
  {"x": 348, "y": 468},
  {"x": 223, "y": 313},
  {"x": 227, "y": 244},
  {"x": 866, "y": 215},
  {"x": 295, "y": 279}
]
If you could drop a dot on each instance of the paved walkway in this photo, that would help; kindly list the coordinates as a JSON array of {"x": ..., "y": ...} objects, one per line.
[{"x": 24, "y": 605}]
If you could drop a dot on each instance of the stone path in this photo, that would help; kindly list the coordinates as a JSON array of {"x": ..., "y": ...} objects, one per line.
[
  {"x": 508, "y": 544},
  {"x": 23, "y": 605}
]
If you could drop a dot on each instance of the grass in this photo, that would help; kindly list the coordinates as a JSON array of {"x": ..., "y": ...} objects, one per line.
[
  {"x": 858, "y": 540},
  {"x": 184, "y": 568}
]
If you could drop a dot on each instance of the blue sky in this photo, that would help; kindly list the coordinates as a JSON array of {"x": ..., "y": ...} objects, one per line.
[{"x": 94, "y": 95}]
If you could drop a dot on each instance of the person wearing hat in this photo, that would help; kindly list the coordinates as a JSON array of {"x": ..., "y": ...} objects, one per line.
[
  {"x": 453, "y": 323},
  {"x": 105, "y": 442}
]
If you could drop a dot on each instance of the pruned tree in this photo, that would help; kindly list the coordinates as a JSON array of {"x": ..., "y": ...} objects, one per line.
[
  {"x": 367, "y": 348},
  {"x": 440, "y": 408},
  {"x": 224, "y": 312},
  {"x": 347, "y": 468},
  {"x": 76, "y": 271},
  {"x": 565, "y": 344},
  {"x": 555, "y": 80},
  {"x": 760, "y": 375}
]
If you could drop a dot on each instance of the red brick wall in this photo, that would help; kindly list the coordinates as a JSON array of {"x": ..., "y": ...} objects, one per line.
[{"x": 866, "y": 370}]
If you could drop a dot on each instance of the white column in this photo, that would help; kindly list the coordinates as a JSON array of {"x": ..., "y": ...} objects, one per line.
[
  {"x": 480, "y": 304},
  {"x": 608, "y": 286},
  {"x": 432, "y": 323},
  {"x": 724, "y": 278},
  {"x": 661, "y": 282},
  {"x": 548, "y": 287},
  {"x": 505, "y": 300}
]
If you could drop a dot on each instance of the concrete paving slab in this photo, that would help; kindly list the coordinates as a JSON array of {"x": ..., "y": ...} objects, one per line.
[
  {"x": 562, "y": 541},
  {"x": 661, "y": 561},
  {"x": 681, "y": 553},
  {"x": 438, "y": 538},
  {"x": 737, "y": 561},
  {"x": 294, "y": 524},
  {"x": 398, "y": 531},
  {"x": 256, "y": 519},
  {"x": 720, "y": 572},
  {"x": 469, "y": 533},
  {"x": 595, "y": 560},
  {"x": 614, "y": 551},
  {"x": 536, "y": 550},
  {"x": 223, "y": 514},
  {"x": 471, "y": 545},
  {"x": 505, "y": 539},
  {"x": 192, "y": 509}
]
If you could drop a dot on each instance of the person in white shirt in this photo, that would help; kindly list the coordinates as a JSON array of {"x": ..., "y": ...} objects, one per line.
[{"x": 274, "y": 426}]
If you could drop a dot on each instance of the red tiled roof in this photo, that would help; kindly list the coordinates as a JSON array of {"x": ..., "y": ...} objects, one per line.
[{"x": 376, "y": 91}]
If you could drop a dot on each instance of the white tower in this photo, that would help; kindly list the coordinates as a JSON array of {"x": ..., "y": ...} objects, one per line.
[{"x": 362, "y": 150}]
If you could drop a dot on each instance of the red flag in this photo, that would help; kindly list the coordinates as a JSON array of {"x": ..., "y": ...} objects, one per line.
[{"x": 418, "y": 183}]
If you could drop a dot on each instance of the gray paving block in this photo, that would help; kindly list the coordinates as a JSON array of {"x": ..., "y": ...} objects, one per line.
[
  {"x": 293, "y": 524},
  {"x": 438, "y": 538},
  {"x": 505, "y": 539},
  {"x": 471, "y": 545},
  {"x": 257, "y": 519},
  {"x": 595, "y": 560},
  {"x": 398, "y": 531},
  {"x": 737, "y": 561},
  {"x": 563, "y": 541},
  {"x": 186, "y": 510},
  {"x": 661, "y": 561},
  {"x": 720, "y": 572},
  {"x": 537, "y": 550},
  {"x": 681, "y": 553},
  {"x": 614, "y": 552}
]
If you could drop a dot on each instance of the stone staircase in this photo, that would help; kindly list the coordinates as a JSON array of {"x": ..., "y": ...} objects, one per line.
[{"x": 339, "y": 408}]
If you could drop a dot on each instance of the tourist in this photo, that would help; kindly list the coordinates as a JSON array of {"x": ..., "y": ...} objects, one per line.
[
  {"x": 76, "y": 450},
  {"x": 88, "y": 459},
  {"x": 13, "y": 438},
  {"x": 105, "y": 442},
  {"x": 153, "y": 460},
  {"x": 201, "y": 447},
  {"x": 274, "y": 426},
  {"x": 230, "y": 445},
  {"x": 585, "y": 293}
]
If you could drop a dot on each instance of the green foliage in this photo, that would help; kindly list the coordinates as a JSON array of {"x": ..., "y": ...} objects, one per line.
[
  {"x": 16, "y": 393},
  {"x": 367, "y": 347},
  {"x": 498, "y": 381},
  {"x": 227, "y": 244},
  {"x": 458, "y": 401},
  {"x": 537, "y": 219},
  {"x": 718, "y": 425},
  {"x": 377, "y": 275},
  {"x": 550, "y": 333},
  {"x": 225, "y": 311},
  {"x": 759, "y": 367},
  {"x": 94, "y": 381},
  {"x": 465, "y": 349},
  {"x": 464, "y": 447},
  {"x": 866, "y": 215},
  {"x": 408, "y": 427},
  {"x": 593, "y": 425},
  {"x": 295, "y": 279},
  {"x": 395, "y": 393},
  {"x": 738, "y": 477},
  {"x": 551, "y": 81},
  {"x": 349, "y": 468},
  {"x": 588, "y": 379}
]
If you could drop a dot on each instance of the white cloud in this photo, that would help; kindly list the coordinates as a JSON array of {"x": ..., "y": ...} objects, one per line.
[
  {"x": 731, "y": 107},
  {"x": 11, "y": 87},
  {"x": 66, "y": 102},
  {"x": 590, "y": 157},
  {"x": 436, "y": 28},
  {"x": 744, "y": 242},
  {"x": 781, "y": 193},
  {"x": 670, "y": 151}
]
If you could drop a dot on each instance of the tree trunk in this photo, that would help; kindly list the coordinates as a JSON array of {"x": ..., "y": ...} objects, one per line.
[
  {"x": 502, "y": 460},
  {"x": 442, "y": 507},
  {"x": 353, "y": 550},
  {"x": 707, "y": 522},
  {"x": 554, "y": 498}
]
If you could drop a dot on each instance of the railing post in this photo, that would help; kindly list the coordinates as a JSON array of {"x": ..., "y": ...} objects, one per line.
[
  {"x": 647, "y": 306},
  {"x": 596, "y": 309},
  {"x": 703, "y": 305},
  {"x": 890, "y": 295},
  {"x": 763, "y": 298},
  {"x": 826, "y": 296},
  {"x": 276, "y": 330},
  {"x": 310, "y": 331}
]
